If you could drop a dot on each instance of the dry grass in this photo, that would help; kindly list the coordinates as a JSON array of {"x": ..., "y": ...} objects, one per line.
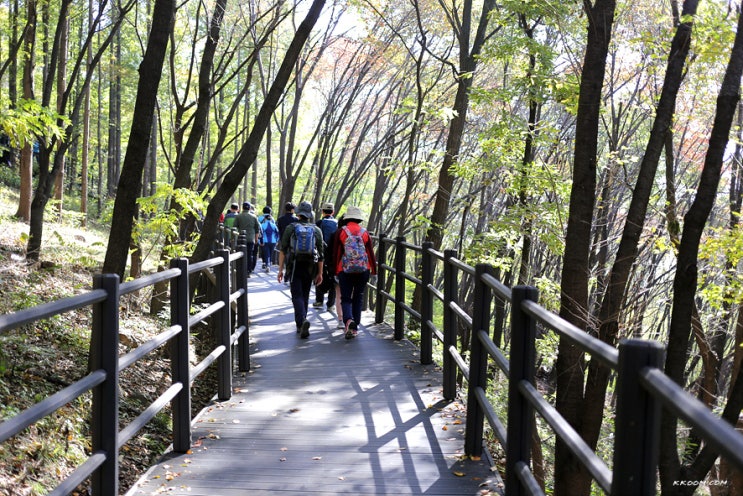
[{"x": 38, "y": 360}]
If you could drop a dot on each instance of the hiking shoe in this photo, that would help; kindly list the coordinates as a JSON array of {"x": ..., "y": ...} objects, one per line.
[
  {"x": 351, "y": 329},
  {"x": 317, "y": 304},
  {"x": 305, "y": 330}
]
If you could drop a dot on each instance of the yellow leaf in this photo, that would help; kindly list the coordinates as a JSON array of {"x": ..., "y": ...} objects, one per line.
[{"x": 459, "y": 474}]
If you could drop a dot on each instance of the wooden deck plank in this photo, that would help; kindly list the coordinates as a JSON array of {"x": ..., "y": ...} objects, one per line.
[{"x": 325, "y": 416}]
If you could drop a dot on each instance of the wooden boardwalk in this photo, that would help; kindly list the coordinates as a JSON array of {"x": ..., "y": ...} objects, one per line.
[{"x": 325, "y": 416}]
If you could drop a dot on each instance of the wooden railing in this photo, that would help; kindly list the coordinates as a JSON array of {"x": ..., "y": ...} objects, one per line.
[
  {"x": 105, "y": 364},
  {"x": 642, "y": 388}
]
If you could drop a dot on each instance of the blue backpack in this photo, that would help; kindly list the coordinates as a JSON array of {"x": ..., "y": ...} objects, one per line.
[
  {"x": 328, "y": 226},
  {"x": 302, "y": 245}
]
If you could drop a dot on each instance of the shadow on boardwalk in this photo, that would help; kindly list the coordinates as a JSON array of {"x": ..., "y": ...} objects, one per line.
[{"x": 325, "y": 416}]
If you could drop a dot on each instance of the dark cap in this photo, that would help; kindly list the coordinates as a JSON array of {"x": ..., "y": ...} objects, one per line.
[
  {"x": 305, "y": 210},
  {"x": 289, "y": 206},
  {"x": 246, "y": 205},
  {"x": 234, "y": 206}
]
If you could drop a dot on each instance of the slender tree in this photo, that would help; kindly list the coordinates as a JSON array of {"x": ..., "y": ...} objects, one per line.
[
  {"x": 130, "y": 182},
  {"x": 570, "y": 477}
]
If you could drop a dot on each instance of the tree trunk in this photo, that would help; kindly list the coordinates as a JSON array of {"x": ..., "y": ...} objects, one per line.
[
  {"x": 130, "y": 182},
  {"x": 26, "y": 163},
  {"x": 570, "y": 477},
  {"x": 598, "y": 375},
  {"x": 467, "y": 65},
  {"x": 685, "y": 281},
  {"x": 249, "y": 151}
]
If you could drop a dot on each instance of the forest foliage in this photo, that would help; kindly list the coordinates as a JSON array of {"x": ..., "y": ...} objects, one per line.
[{"x": 580, "y": 147}]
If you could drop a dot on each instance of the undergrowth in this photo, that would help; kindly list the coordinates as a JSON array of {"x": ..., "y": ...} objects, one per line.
[{"x": 39, "y": 359}]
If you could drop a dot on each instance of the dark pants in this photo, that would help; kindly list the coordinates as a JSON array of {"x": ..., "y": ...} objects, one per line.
[
  {"x": 352, "y": 294},
  {"x": 254, "y": 260},
  {"x": 300, "y": 285},
  {"x": 327, "y": 286},
  {"x": 251, "y": 256},
  {"x": 267, "y": 249}
]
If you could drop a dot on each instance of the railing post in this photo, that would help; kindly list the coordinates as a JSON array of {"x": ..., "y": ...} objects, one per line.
[
  {"x": 399, "y": 287},
  {"x": 243, "y": 342},
  {"x": 426, "y": 304},
  {"x": 637, "y": 423},
  {"x": 381, "y": 301},
  {"x": 179, "y": 363},
  {"x": 521, "y": 368},
  {"x": 224, "y": 327},
  {"x": 104, "y": 354},
  {"x": 478, "y": 364},
  {"x": 450, "y": 326}
]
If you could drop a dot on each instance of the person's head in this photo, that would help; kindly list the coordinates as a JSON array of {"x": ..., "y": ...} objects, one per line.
[
  {"x": 289, "y": 207},
  {"x": 267, "y": 210},
  {"x": 246, "y": 206},
  {"x": 328, "y": 209},
  {"x": 354, "y": 214},
  {"x": 304, "y": 211},
  {"x": 234, "y": 207}
]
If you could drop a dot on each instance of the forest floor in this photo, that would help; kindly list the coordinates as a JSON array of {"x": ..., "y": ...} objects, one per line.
[{"x": 38, "y": 360}]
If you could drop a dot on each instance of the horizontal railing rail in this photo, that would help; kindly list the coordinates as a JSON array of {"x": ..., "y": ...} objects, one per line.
[
  {"x": 105, "y": 363},
  {"x": 642, "y": 388}
]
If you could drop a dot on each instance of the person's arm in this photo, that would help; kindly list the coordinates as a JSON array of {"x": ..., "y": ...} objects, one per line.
[
  {"x": 370, "y": 253},
  {"x": 282, "y": 258},
  {"x": 282, "y": 254},
  {"x": 319, "y": 246}
]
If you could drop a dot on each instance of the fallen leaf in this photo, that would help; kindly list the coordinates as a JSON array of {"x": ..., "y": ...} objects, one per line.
[
  {"x": 444, "y": 428},
  {"x": 459, "y": 474},
  {"x": 475, "y": 458},
  {"x": 284, "y": 449},
  {"x": 282, "y": 459},
  {"x": 340, "y": 477},
  {"x": 317, "y": 458}
]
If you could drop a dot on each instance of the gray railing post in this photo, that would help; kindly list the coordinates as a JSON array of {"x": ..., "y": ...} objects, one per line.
[
  {"x": 450, "y": 326},
  {"x": 381, "y": 301},
  {"x": 179, "y": 363},
  {"x": 478, "y": 364},
  {"x": 399, "y": 287},
  {"x": 637, "y": 423},
  {"x": 243, "y": 342},
  {"x": 426, "y": 304},
  {"x": 104, "y": 355},
  {"x": 521, "y": 368},
  {"x": 224, "y": 327}
]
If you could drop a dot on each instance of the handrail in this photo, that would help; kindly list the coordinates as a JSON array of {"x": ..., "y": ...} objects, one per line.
[
  {"x": 101, "y": 467},
  {"x": 642, "y": 387}
]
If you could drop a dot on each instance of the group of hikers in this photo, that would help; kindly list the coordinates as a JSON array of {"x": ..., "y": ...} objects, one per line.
[{"x": 334, "y": 254}]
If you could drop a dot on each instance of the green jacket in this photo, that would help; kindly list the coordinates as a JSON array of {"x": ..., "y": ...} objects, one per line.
[
  {"x": 249, "y": 223},
  {"x": 285, "y": 244}
]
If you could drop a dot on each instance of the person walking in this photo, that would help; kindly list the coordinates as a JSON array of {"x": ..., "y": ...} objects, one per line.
[
  {"x": 355, "y": 263},
  {"x": 330, "y": 262},
  {"x": 270, "y": 238},
  {"x": 301, "y": 255},
  {"x": 328, "y": 225},
  {"x": 287, "y": 219},
  {"x": 248, "y": 223}
]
